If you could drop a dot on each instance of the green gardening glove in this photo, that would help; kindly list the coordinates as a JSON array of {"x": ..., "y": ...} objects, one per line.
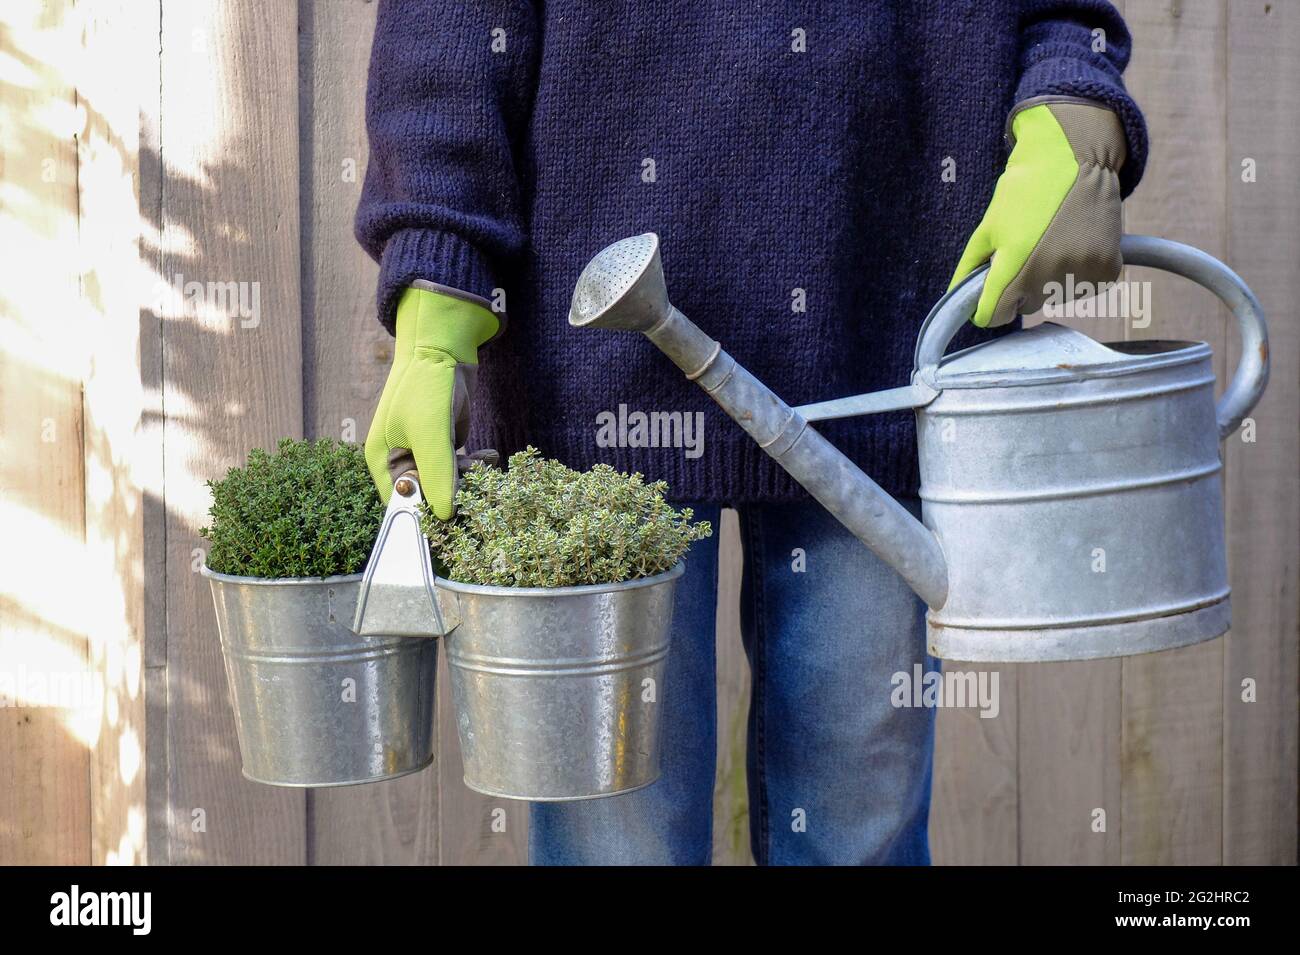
[
  {"x": 1055, "y": 209},
  {"x": 425, "y": 405}
]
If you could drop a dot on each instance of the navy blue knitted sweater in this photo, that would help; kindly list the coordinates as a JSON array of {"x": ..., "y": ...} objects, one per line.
[{"x": 788, "y": 155}]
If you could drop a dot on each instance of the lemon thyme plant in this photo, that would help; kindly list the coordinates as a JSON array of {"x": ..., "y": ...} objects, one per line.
[
  {"x": 541, "y": 524},
  {"x": 308, "y": 510}
]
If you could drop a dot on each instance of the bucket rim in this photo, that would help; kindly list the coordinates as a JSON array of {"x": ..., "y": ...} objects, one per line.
[
  {"x": 496, "y": 590},
  {"x": 206, "y": 571}
]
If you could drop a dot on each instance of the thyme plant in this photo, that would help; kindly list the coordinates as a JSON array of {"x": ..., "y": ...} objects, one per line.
[
  {"x": 308, "y": 510},
  {"x": 541, "y": 524}
]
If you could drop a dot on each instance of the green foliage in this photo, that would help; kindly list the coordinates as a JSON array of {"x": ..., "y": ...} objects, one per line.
[
  {"x": 541, "y": 524},
  {"x": 309, "y": 510}
]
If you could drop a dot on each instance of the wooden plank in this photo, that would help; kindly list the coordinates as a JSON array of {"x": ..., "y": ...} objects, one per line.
[
  {"x": 975, "y": 801},
  {"x": 1172, "y": 782},
  {"x": 346, "y": 352},
  {"x": 46, "y": 721},
  {"x": 1070, "y": 763},
  {"x": 231, "y": 377},
  {"x": 118, "y": 52},
  {"x": 346, "y": 356},
  {"x": 1259, "y": 800},
  {"x": 731, "y": 789},
  {"x": 1172, "y": 758},
  {"x": 149, "y": 467}
]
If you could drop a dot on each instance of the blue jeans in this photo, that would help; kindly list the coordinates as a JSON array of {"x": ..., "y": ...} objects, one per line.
[{"x": 837, "y": 775}]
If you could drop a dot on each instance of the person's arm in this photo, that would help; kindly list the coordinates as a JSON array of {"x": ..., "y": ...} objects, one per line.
[
  {"x": 1079, "y": 48},
  {"x": 447, "y": 104},
  {"x": 1079, "y": 146}
]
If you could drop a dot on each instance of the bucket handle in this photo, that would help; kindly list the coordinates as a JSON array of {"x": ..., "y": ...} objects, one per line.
[
  {"x": 952, "y": 312},
  {"x": 398, "y": 596}
]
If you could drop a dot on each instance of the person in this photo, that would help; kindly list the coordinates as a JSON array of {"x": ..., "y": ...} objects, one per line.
[{"x": 813, "y": 175}]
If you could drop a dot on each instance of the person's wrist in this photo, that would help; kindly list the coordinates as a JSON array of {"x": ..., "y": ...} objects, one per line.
[
  {"x": 1092, "y": 130},
  {"x": 448, "y": 323}
]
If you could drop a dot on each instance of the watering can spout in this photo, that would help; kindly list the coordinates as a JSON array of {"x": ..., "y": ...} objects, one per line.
[{"x": 623, "y": 288}]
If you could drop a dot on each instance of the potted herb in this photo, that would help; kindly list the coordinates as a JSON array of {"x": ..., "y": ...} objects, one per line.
[
  {"x": 315, "y": 704},
  {"x": 563, "y": 583}
]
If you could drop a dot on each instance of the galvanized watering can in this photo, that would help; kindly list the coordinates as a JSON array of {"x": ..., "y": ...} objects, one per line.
[
  {"x": 1071, "y": 496},
  {"x": 556, "y": 689}
]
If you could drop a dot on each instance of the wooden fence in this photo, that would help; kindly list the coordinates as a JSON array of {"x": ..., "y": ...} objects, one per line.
[{"x": 149, "y": 143}]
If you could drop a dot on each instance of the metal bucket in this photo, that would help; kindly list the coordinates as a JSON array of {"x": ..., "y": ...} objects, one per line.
[
  {"x": 558, "y": 691},
  {"x": 316, "y": 704}
]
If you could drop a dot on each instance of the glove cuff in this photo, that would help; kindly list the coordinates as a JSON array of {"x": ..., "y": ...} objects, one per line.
[
  {"x": 1092, "y": 129},
  {"x": 449, "y": 323}
]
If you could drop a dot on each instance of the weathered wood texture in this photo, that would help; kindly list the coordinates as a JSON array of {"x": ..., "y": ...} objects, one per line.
[
  {"x": 149, "y": 471},
  {"x": 731, "y": 794},
  {"x": 231, "y": 378},
  {"x": 245, "y": 165},
  {"x": 72, "y": 708},
  {"x": 346, "y": 355},
  {"x": 975, "y": 806},
  {"x": 45, "y": 808},
  {"x": 120, "y": 66},
  {"x": 1263, "y": 245},
  {"x": 1172, "y": 704}
]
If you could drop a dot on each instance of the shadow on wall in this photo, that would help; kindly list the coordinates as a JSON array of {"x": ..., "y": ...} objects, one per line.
[
  {"x": 71, "y": 694},
  {"x": 135, "y": 285}
]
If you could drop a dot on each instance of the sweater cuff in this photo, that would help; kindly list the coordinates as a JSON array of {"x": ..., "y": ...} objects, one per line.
[
  {"x": 1072, "y": 76},
  {"x": 441, "y": 257}
]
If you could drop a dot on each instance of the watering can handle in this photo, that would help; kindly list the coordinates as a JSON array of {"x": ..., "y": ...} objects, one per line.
[{"x": 951, "y": 313}]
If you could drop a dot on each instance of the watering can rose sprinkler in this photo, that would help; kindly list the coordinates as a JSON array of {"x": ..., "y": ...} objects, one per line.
[{"x": 1041, "y": 453}]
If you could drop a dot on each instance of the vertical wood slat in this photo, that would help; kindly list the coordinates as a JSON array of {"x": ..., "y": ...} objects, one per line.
[
  {"x": 44, "y": 757},
  {"x": 149, "y": 467},
  {"x": 1263, "y": 492},
  {"x": 975, "y": 804},
  {"x": 731, "y": 788},
  {"x": 1070, "y": 763},
  {"x": 229, "y": 200},
  {"x": 118, "y": 65},
  {"x": 346, "y": 356},
  {"x": 1172, "y": 745}
]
